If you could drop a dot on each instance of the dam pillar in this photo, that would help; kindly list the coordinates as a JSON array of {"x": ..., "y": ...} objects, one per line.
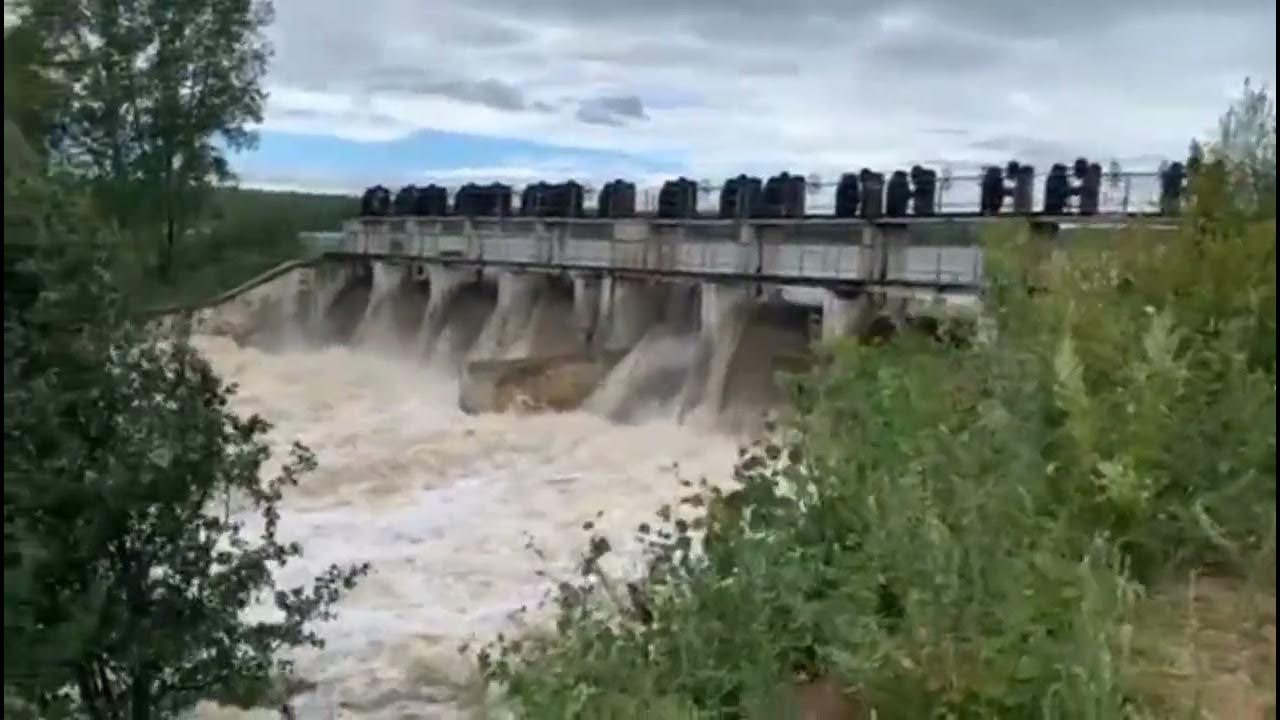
[
  {"x": 720, "y": 303},
  {"x": 518, "y": 295},
  {"x": 327, "y": 282},
  {"x": 388, "y": 279},
  {"x": 443, "y": 283},
  {"x": 843, "y": 316},
  {"x": 506, "y": 328},
  {"x": 587, "y": 292},
  {"x": 723, "y": 313},
  {"x": 627, "y": 309},
  {"x": 897, "y": 308},
  {"x": 532, "y": 351}
]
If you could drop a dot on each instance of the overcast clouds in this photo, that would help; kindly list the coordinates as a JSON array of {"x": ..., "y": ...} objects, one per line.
[{"x": 713, "y": 87}]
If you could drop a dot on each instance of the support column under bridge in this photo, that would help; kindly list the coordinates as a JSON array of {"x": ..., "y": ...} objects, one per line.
[{"x": 843, "y": 316}]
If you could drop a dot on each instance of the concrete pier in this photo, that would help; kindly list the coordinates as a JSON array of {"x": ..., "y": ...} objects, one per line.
[
  {"x": 627, "y": 309},
  {"x": 518, "y": 293},
  {"x": 723, "y": 311},
  {"x": 377, "y": 324},
  {"x": 843, "y": 316},
  {"x": 443, "y": 284},
  {"x": 588, "y": 289}
]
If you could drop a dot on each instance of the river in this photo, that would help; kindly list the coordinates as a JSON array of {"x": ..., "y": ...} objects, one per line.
[{"x": 443, "y": 505}]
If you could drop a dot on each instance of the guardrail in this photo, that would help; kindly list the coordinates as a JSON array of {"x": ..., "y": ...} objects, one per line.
[
  {"x": 1115, "y": 191},
  {"x": 1121, "y": 193}
]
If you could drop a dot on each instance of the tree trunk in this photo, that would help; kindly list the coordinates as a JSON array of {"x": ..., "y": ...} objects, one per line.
[
  {"x": 140, "y": 702},
  {"x": 166, "y": 270},
  {"x": 89, "y": 695},
  {"x": 170, "y": 222}
]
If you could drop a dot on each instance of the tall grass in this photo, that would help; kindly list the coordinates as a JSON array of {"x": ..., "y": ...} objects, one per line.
[{"x": 969, "y": 531}]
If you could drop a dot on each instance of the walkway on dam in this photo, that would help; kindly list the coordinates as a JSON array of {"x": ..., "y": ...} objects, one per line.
[{"x": 938, "y": 254}]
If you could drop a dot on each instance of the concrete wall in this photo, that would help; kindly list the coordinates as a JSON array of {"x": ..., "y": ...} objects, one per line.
[{"x": 267, "y": 310}]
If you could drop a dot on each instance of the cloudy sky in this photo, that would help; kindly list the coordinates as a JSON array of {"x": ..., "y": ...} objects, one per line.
[{"x": 451, "y": 90}]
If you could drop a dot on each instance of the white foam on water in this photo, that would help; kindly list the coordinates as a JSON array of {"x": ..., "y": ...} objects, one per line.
[{"x": 442, "y": 504}]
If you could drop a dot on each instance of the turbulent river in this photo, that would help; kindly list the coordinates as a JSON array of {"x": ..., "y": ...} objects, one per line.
[{"x": 443, "y": 505}]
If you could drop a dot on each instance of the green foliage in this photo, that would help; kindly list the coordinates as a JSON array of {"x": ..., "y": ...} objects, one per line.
[
  {"x": 1161, "y": 358},
  {"x": 963, "y": 531},
  {"x": 33, "y": 99},
  {"x": 152, "y": 95},
  {"x": 244, "y": 232},
  {"x": 1247, "y": 143},
  {"x": 152, "y": 141},
  {"x": 126, "y": 584},
  {"x": 864, "y": 549}
]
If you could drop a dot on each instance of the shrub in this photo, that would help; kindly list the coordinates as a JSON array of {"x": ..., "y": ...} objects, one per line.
[{"x": 126, "y": 580}]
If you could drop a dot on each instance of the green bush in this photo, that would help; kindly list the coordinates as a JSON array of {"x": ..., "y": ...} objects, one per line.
[{"x": 127, "y": 582}]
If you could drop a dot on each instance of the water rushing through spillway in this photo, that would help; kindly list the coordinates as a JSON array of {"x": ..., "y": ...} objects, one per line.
[{"x": 443, "y": 505}]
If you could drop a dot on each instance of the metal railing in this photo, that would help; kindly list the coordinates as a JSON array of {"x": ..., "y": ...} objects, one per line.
[
  {"x": 1121, "y": 193},
  {"x": 1124, "y": 193}
]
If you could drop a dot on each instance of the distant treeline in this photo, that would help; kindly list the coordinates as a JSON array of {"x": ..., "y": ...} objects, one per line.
[
  {"x": 308, "y": 211},
  {"x": 243, "y": 232}
]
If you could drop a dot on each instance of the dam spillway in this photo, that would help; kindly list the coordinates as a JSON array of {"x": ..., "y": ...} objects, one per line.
[
  {"x": 537, "y": 312},
  {"x": 512, "y": 339}
]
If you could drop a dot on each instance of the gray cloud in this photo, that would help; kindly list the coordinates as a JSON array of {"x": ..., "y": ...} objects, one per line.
[
  {"x": 801, "y": 22},
  {"x": 926, "y": 51},
  {"x": 627, "y": 106},
  {"x": 488, "y": 92},
  {"x": 478, "y": 30},
  {"x": 349, "y": 115},
  {"x": 595, "y": 116},
  {"x": 823, "y": 83},
  {"x": 1023, "y": 147},
  {"x": 613, "y": 111}
]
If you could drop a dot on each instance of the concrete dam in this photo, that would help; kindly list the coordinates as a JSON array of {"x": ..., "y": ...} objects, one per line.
[
  {"x": 550, "y": 313},
  {"x": 624, "y": 315},
  {"x": 536, "y": 305}
]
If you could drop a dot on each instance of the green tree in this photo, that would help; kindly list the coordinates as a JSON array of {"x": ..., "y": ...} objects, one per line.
[
  {"x": 158, "y": 92},
  {"x": 1246, "y": 146},
  {"x": 127, "y": 584},
  {"x": 33, "y": 98}
]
